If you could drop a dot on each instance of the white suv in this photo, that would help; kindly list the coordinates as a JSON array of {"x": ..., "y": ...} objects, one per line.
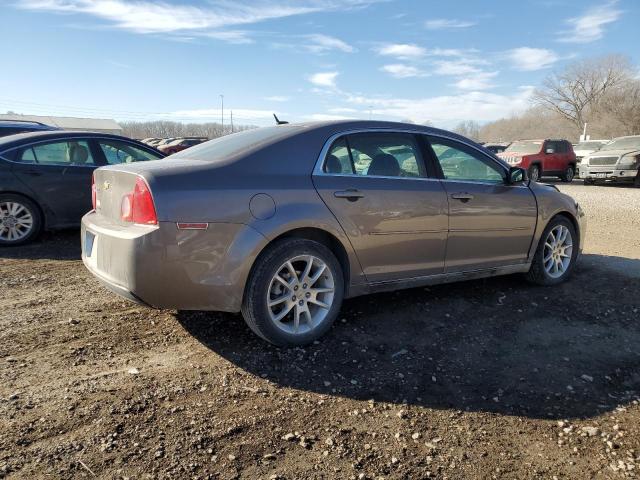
[{"x": 617, "y": 161}]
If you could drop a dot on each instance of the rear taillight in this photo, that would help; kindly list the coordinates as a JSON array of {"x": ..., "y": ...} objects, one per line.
[
  {"x": 137, "y": 206},
  {"x": 93, "y": 191}
]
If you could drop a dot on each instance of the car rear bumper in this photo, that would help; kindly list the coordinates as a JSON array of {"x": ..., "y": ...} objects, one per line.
[{"x": 164, "y": 267}]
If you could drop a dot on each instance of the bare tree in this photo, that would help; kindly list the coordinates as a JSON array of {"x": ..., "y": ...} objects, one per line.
[
  {"x": 167, "y": 129},
  {"x": 576, "y": 92},
  {"x": 469, "y": 129},
  {"x": 620, "y": 109}
]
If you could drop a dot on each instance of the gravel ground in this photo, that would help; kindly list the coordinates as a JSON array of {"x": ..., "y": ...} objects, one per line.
[{"x": 483, "y": 379}]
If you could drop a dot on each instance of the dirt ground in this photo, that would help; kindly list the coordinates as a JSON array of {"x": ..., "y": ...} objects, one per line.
[{"x": 483, "y": 379}]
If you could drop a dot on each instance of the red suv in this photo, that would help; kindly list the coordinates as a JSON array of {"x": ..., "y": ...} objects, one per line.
[
  {"x": 548, "y": 158},
  {"x": 180, "y": 144}
]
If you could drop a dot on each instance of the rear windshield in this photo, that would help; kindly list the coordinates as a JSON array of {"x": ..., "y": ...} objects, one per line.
[
  {"x": 524, "y": 147},
  {"x": 628, "y": 143},
  {"x": 234, "y": 143}
]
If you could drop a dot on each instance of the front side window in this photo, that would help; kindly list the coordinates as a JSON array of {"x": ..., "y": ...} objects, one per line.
[
  {"x": 462, "y": 163},
  {"x": 376, "y": 155},
  {"x": 117, "y": 152},
  {"x": 68, "y": 153}
]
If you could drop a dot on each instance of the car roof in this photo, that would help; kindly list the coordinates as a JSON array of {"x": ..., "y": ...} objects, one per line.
[{"x": 19, "y": 139}]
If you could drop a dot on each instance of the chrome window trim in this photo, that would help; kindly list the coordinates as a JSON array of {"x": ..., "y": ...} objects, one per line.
[{"x": 319, "y": 166}]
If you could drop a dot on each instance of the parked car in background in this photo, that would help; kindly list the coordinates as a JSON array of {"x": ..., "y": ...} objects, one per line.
[
  {"x": 45, "y": 178},
  {"x": 149, "y": 140},
  {"x": 11, "y": 127},
  {"x": 496, "y": 147},
  {"x": 549, "y": 158},
  {"x": 164, "y": 141},
  {"x": 617, "y": 161},
  {"x": 181, "y": 144},
  {"x": 154, "y": 142},
  {"x": 284, "y": 222},
  {"x": 582, "y": 149}
]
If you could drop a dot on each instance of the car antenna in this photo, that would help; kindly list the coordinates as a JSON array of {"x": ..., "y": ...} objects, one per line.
[{"x": 279, "y": 122}]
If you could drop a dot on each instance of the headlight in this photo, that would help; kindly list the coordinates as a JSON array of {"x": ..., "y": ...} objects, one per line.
[{"x": 629, "y": 161}]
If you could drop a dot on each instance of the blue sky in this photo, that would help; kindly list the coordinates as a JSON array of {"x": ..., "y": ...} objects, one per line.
[{"x": 418, "y": 60}]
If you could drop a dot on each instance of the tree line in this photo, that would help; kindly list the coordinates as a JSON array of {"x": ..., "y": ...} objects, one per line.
[
  {"x": 168, "y": 129},
  {"x": 603, "y": 92}
]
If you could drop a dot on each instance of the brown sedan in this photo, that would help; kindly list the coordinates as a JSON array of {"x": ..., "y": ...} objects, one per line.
[{"x": 283, "y": 223}]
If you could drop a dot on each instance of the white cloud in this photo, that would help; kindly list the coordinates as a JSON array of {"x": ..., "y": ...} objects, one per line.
[
  {"x": 402, "y": 50},
  {"x": 343, "y": 110},
  {"x": 447, "y": 110},
  {"x": 589, "y": 27},
  {"x": 479, "y": 81},
  {"x": 277, "y": 98},
  {"x": 322, "y": 117},
  {"x": 400, "y": 70},
  {"x": 529, "y": 59},
  {"x": 319, "y": 43},
  {"x": 145, "y": 16},
  {"x": 214, "y": 113},
  {"x": 447, "y": 23},
  {"x": 455, "y": 67},
  {"x": 324, "y": 79}
]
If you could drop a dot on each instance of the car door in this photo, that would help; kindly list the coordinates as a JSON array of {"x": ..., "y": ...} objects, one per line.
[
  {"x": 553, "y": 160},
  {"x": 59, "y": 173},
  {"x": 491, "y": 223},
  {"x": 376, "y": 185}
]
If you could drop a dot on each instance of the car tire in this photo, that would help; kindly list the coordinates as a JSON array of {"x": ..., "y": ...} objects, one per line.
[
  {"x": 568, "y": 174},
  {"x": 20, "y": 220},
  {"x": 274, "y": 297},
  {"x": 558, "y": 237},
  {"x": 534, "y": 173}
]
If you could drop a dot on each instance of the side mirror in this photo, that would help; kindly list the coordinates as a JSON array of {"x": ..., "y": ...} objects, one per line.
[
  {"x": 549, "y": 151},
  {"x": 517, "y": 175}
]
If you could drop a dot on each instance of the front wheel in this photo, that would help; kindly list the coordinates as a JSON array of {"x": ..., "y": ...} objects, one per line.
[
  {"x": 568, "y": 174},
  {"x": 294, "y": 292},
  {"x": 20, "y": 220},
  {"x": 534, "y": 173},
  {"x": 556, "y": 255}
]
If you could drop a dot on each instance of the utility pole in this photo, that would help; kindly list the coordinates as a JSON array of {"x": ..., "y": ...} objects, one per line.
[
  {"x": 222, "y": 112},
  {"x": 231, "y": 121}
]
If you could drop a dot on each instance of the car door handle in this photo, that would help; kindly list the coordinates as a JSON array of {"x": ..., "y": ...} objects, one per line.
[
  {"x": 463, "y": 197},
  {"x": 351, "y": 194}
]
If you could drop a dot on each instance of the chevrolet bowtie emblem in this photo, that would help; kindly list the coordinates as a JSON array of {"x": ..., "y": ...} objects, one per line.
[{"x": 106, "y": 186}]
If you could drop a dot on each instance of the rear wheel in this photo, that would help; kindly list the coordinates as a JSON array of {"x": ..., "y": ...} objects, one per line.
[
  {"x": 294, "y": 292},
  {"x": 568, "y": 174},
  {"x": 20, "y": 220},
  {"x": 534, "y": 173},
  {"x": 556, "y": 253}
]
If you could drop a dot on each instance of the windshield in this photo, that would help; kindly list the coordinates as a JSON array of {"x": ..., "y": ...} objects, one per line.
[
  {"x": 234, "y": 143},
  {"x": 625, "y": 143},
  {"x": 524, "y": 147},
  {"x": 588, "y": 146}
]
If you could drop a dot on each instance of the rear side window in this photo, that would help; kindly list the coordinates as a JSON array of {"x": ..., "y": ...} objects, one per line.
[
  {"x": 117, "y": 152},
  {"x": 377, "y": 155},
  {"x": 69, "y": 152}
]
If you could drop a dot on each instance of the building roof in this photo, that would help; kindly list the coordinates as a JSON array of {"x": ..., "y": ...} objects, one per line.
[{"x": 70, "y": 123}]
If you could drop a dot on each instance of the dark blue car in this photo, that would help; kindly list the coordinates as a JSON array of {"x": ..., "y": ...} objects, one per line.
[
  {"x": 11, "y": 127},
  {"x": 45, "y": 178}
]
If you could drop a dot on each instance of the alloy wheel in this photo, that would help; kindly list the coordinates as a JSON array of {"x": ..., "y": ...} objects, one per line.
[
  {"x": 569, "y": 174},
  {"x": 300, "y": 294},
  {"x": 558, "y": 249},
  {"x": 16, "y": 221}
]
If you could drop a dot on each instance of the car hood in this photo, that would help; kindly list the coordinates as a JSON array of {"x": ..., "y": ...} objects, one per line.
[
  {"x": 612, "y": 153},
  {"x": 513, "y": 154}
]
